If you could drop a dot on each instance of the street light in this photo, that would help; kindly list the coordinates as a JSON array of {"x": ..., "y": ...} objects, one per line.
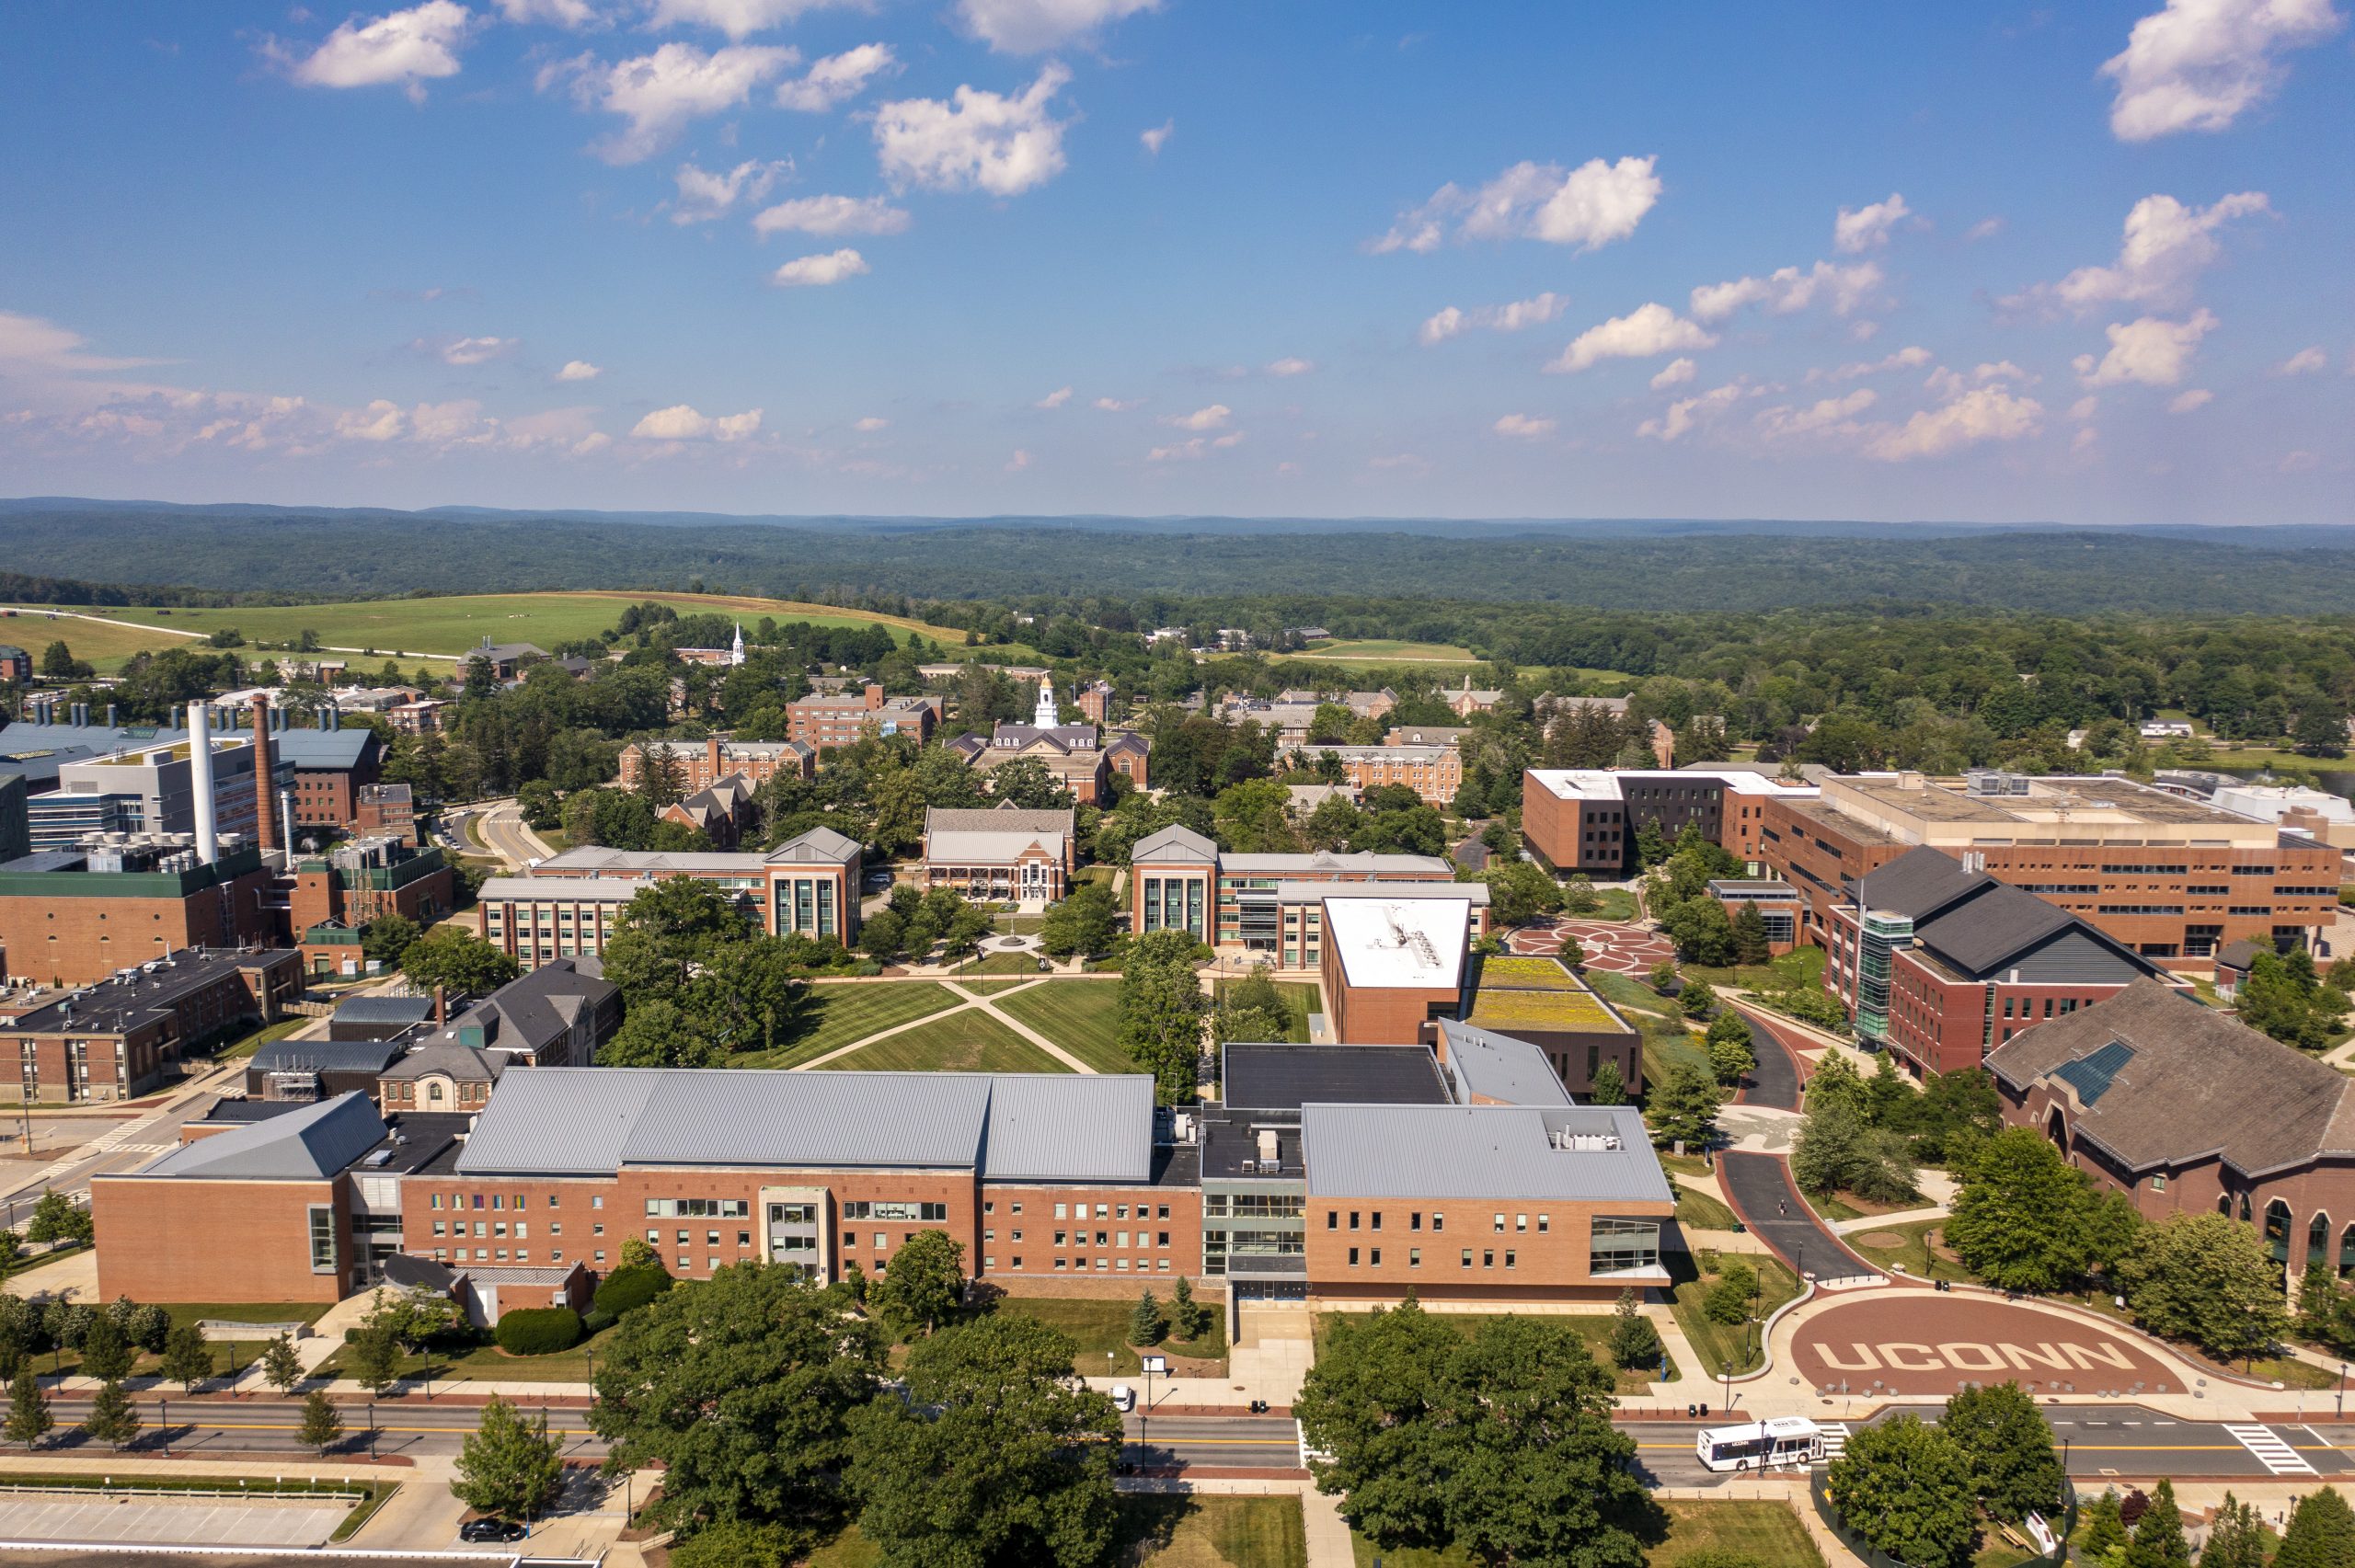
[{"x": 1727, "y": 1368}]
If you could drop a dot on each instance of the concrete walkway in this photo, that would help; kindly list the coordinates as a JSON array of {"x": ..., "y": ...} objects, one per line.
[{"x": 973, "y": 1002}]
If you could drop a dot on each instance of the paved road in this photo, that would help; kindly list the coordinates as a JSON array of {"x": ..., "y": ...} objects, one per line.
[
  {"x": 1759, "y": 1187},
  {"x": 129, "y": 1144},
  {"x": 273, "y": 1426},
  {"x": 1258, "y": 1442},
  {"x": 1774, "y": 1081},
  {"x": 504, "y": 830}
]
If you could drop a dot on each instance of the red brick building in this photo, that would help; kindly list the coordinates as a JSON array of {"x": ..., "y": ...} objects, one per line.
[
  {"x": 825, "y": 721},
  {"x": 1587, "y": 819},
  {"x": 65, "y": 924},
  {"x": 367, "y": 879},
  {"x": 1390, "y": 966},
  {"x": 385, "y": 811},
  {"x": 702, "y": 766},
  {"x": 116, "y": 1039}
]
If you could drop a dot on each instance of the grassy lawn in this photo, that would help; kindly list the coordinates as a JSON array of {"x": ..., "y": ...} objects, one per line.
[
  {"x": 1698, "y": 1210},
  {"x": 1098, "y": 1325},
  {"x": 1766, "y": 1533},
  {"x": 1667, "y": 1041},
  {"x": 1301, "y": 999},
  {"x": 1912, "y": 1253},
  {"x": 226, "y": 1354},
  {"x": 450, "y": 625},
  {"x": 999, "y": 964},
  {"x": 488, "y": 1363},
  {"x": 1716, "y": 1342},
  {"x": 237, "y": 1050},
  {"x": 107, "y": 647},
  {"x": 1800, "y": 966},
  {"x": 993, "y": 987},
  {"x": 1375, "y": 650},
  {"x": 1593, "y": 1328},
  {"x": 841, "y": 1014},
  {"x": 1161, "y": 1532},
  {"x": 964, "y": 1042},
  {"x": 1079, "y": 1015}
]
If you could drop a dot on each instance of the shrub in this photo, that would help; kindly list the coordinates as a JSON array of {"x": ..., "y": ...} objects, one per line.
[
  {"x": 596, "y": 1322},
  {"x": 631, "y": 1287},
  {"x": 538, "y": 1330}
]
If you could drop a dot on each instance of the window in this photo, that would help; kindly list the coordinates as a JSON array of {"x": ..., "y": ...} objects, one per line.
[
  {"x": 1353, "y": 1257},
  {"x": 1509, "y": 1257},
  {"x": 1377, "y": 1220},
  {"x": 1354, "y": 1220},
  {"x": 1468, "y": 1257},
  {"x": 1374, "y": 1258},
  {"x": 1487, "y": 1259},
  {"x": 1521, "y": 1222},
  {"x": 1438, "y": 1220},
  {"x": 1332, "y": 1219},
  {"x": 1414, "y": 1257},
  {"x": 323, "y": 1258},
  {"x": 1543, "y": 1224},
  {"x": 1415, "y": 1221}
]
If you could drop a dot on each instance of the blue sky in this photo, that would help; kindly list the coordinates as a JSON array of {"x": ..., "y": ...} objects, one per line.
[{"x": 2087, "y": 262}]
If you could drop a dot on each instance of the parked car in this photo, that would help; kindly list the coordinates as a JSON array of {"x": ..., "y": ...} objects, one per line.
[
  {"x": 491, "y": 1530},
  {"x": 1124, "y": 1398}
]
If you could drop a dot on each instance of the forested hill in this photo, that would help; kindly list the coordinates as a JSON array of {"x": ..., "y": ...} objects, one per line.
[{"x": 332, "y": 554}]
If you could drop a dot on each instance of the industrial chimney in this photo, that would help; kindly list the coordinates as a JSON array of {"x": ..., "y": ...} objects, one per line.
[
  {"x": 265, "y": 819},
  {"x": 200, "y": 778}
]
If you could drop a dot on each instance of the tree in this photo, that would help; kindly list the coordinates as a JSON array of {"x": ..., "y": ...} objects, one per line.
[
  {"x": 2205, "y": 1277},
  {"x": 1188, "y": 1319},
  {"x": 385, "y": 938},
  {"x": 1836, "y": 1081},
  {"x": 2021, "y": 1216},
  {"x": 2322, "y": 731},
  {"x": 187, "y": 1358},
  {"x": 375, "y": 1355},
  {"x": 1697, "y": 1001},
  {"x": 1749, "y": 941},
  {"x": 1663, "y": 976},
  {"x": 1682, "y": 1107},
  {"x": 2284, "y": 998},
  {"x": 1730, "y": 1052},
  {"x": 884, "y": 936},
  {"x": 58, "y": 662},
  {"x": 57, "y": 1220},
  {"x": 2235, "y": 1537},
  {"x": 1906, "y": 1489},
  {"x": 1082, "y": 923},
  {"x": 1701, "y": 931},
  {"x": 1635, "y": 1341},
  {"x": 458, "y": 960},
  {"x": 113, "y": 1419},
  {"x": 322, "y": 1422},
  {"x": 2320, "y": 1533},
  {"x": 30, "y": 1419},
  {"x": 509, "y": 1467},
  {"x": 1498, "y": 1441},
  {"x": 1837, "y": 1152},
  {"x": 743, "y": 1386},
  {"x": 282, "y": 1368},
  {"x": 2103, "y": 1526},
  {"x": 2008, "y": 1446},
  {"x": 923, "y": 1286},
  {"x": 995, "y": 1457},
  {"x": 1728, "y": 1300},
  {"x": 1160, "y": 1012},
  {"x": 108, "y": 1352},
  {"x": 636, "y": 1252},
  {"x": 1610, "y": 1086},
  {"x": 740, "y": 1543},
  {"x": 1519, "y": 892},
  {"x": 1573, "y": 953},
  {"x": 1147, "y": 1323},
  {"x": 2158, "y": 1535}
]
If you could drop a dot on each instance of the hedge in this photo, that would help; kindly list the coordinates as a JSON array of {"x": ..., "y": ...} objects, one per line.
[
  {"x": 538, "y": 1330},
  {"x": 626, "y": 1289}
]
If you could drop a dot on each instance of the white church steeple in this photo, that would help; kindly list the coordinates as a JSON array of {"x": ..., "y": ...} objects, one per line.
[
  {"x": 1047, "y": 715},
  {"x": 735, "y": 649}
]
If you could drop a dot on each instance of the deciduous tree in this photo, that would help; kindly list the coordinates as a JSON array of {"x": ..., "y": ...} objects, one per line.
[
  {"x": 187, "y": 1358},
  {"x": 510, "y": 1466},
  {"x": 923, "y": 1286},
  {"x": 2205, "y": 1277},
  {"x": 2008, "y": 1446},
  {"x": 1682, "y": 1107},
  {"x": 1906, "y": 1489}
]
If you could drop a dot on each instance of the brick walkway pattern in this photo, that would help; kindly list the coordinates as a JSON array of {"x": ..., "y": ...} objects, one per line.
[{"x": 1620, "y": 949}]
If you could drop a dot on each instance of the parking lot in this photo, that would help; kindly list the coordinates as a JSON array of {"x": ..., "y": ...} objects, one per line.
[{"x": 197, "y": 1521}]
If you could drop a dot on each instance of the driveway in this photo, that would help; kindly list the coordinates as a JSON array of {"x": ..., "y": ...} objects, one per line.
[
  {"x": 1774, "y": 1081},
  {"x": 1759, "y": 1187}
]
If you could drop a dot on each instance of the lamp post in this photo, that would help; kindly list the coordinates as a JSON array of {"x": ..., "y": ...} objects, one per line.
[
  {"x": 1726, "y": 1367},
  {"x": 2342, "y": 1390}
]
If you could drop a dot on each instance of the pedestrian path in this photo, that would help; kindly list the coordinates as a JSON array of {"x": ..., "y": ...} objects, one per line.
[
  {"x": 1835, "y": 1440},
  {"x": 2271, "y": 1449},
  {"x": 974, "y": 1003}
]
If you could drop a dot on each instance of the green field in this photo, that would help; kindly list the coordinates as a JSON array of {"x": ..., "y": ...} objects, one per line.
[
  {"x": 1380, "y": 650},
  {"x": 971, "y": 1041},
  {"x": 448, "y": 626},
  {"x": 105, "y": 646},
  {"x": 1666, "y": 1039},
  {"x": 842, "y": 1013},
  {"x": 1161, "y": 1532},
  {"x": 1080, "y": 1016},
  {"x": 1768, "y": 1534},
  {"x": 1099, "y": 1326},
  {"x": 1300, "y": 998}
]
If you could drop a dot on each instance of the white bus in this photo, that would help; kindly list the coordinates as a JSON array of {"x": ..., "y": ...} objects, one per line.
[{"x": 1779, "y": 1442}]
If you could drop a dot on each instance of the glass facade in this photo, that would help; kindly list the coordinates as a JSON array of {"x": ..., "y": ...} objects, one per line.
[
  {"x": 1616, "y": 1244},
  {"x": 1881, "y": 936}
]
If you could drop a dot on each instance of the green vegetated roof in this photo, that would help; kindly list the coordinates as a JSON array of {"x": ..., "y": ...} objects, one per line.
[
  {"x": 1527, "y": 974},
  {"x": 1507, "y": 1008}
]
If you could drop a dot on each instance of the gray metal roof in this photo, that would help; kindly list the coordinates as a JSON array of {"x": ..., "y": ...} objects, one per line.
[
  {"x": 1176, "y": 842},
  {"x": 1497, "y": 1067},
  {"x": 819, "y": 846},
  {"x": 1317, "y": 864},
  {"x": 562, "y": 889},
  {"x": 597, "y": 858},
  {"x": 1495, "y": 1152},
  {"x": 1978, "y": 925},
  {"x": 311, "y": 1144},
  {"x": 327, "y": 1056},
  {"x": 384, "y": 1009},
  {"x": 580, "y": 1121},
  {"x": 1276, "y": 1076},
  {"x": 996, "y": 819}
]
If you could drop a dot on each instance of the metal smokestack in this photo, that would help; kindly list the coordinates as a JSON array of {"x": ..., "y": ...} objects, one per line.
[
  {"x": 265, "y": 819},
  {"x": 200, "y": 778}
]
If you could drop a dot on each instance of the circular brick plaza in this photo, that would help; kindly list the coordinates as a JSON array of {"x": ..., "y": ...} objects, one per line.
[
  {"x": 1885, "y": 1342},
  {"x": 1620, "y": 949}
]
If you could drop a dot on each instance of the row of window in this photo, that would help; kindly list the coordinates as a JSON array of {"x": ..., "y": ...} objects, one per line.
[
  {"x": 1438, "y": 1220},
  {"x": 496, "y": 1201},
  {"x": 1415, "y": 1257}
]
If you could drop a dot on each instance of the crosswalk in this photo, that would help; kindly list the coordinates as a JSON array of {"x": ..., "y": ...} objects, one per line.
[
  {"x": 2275, "y": 1454},
  {"x": 1835, "y": 1440}
]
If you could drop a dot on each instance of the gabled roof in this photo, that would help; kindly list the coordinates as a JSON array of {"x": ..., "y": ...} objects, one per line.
[
  {"x": 2161, "y": 1081},
  {"x": 311, "y": 1144},
  {"x": 1489, "y": 1066},
  {"x": 1177, "y": 843},
  {"x": 1978, "y": 925},
  {"x": 325, "y": 1055},
  {"x": 463, "y": 1063},
  {"x": 1001, "y": 818},
  {"x": 819, "y": 846}
]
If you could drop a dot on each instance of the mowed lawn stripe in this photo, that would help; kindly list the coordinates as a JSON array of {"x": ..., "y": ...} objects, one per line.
[
  {"x": 971, "y": 1041},
  {"x": 1082, "y": 1016},
  {"x": 850, "y": 1012}
]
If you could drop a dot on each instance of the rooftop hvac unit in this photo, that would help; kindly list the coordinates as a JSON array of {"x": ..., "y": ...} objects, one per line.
[{"x": 1268, "y": 1148}]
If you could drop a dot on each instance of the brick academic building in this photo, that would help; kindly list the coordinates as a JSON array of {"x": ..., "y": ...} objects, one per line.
[
  {"x": 1587, "y": 819},
  {"x": 2174, "y": 879}
]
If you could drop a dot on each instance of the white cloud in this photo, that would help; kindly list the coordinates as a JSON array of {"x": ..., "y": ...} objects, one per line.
[
  {"x": 703, "y": 196},
  {"x": 1210, "y": 419},
  {"x": 2148, "y": 349},
  {"x": 2297, "y": 462},
  {"x": 1510, "y": 317},
  {"x": 981, "y": 141},
  {"x": 1524, "y": 426},
  {"x": 1687, "y": 412},
  {"x": 1183, "y": 450},
  {"x": 2167, "y": 247},
  {"x": 837, "y": 79},
  {"x": 817, "y": 272},
  {"x": 2198, "y": 64},
  {"x": 1982, "y": 414},
  {"x": 1674, "y": 373},
  {"x": 2185, "y": 401},
  {"x": 380, "y": 422},
  {"x": 1118, "y": 404},
  {"x": 1588, "y": 207},
  {"x": 580, "y": 370},
  {"x": 30, "y": 340},
  {"x": 1985, "y": 228},
  {"x": 1291, "y": 367},
  {"x": 1789, "y": 290},
  {"x": 1157, "y": 137},
  {"x": 1831, "y": 416},
  {"x": 1018, "y": 462},
  {"x": 738, "y": 19},
  {"x": 1025, "y": 26},
  {"x": 1868, "y": 227},
  {"x": 833, "y": 215},
  {"x": 1056, "y": 399},
  {"x": 1231, "y": 437},
  {"x": 2084, "y": 407},
  {"x": 870, "y": 424},
  {"x": 659, "y": 93},
  {"x": 680, "y": 422},
  {"x": 1951, "y": 384},
  {"x": 2306, "y": 361},
  {"x": 570, "y": 14},
  {"x": 1912, "y": 357},
  {"x": 1647, "y": 330},
  {"x": 474, "y": 350},
  {"x": 402, "y": 48}
]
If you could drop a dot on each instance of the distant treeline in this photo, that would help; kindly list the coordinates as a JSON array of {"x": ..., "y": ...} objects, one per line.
[
  {"x": 1154, "y": 572},
  {"x": 17, "y": 587}
]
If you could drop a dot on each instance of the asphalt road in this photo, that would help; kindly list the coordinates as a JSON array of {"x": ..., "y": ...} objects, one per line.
[
  {"x": 23, "y": 1181},
  {"x": 1760, "y": 1188},
  {"x": 244, "y": 1426},
  {"x": 504, "y": 830},
  {"x": 1774, "y": 1081},
  {"x": 1255, "y": 1442}
]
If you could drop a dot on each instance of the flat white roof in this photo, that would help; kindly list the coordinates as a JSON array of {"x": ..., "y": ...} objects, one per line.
[
  {"x": 1408, "y": 943},
  {"x": 1603, "y": 783}
]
